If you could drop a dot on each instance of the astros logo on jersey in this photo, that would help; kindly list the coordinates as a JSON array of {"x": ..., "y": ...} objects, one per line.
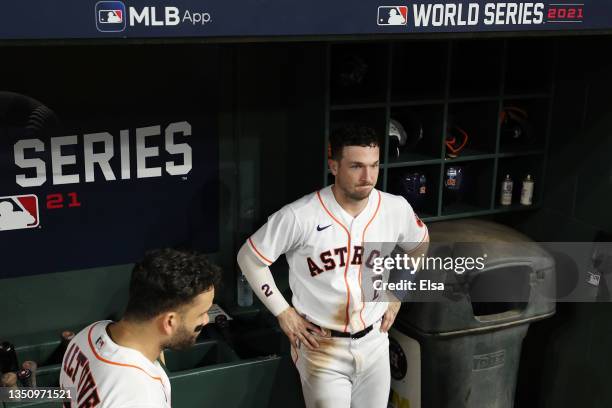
[{"x": 330, "y": 261}]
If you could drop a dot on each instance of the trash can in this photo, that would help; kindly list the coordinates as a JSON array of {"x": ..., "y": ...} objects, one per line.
[{"x": 458, "y": 351}]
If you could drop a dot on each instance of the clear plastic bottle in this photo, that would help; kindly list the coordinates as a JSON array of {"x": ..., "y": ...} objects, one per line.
[
  {"x": 527, "y": 191},
  {"x": 245, "y": 293}
]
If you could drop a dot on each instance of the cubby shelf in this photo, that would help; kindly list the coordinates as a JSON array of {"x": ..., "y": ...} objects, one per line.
[
  {"x": 448, "y": 91},
  {"x": 415, "y": 162},
  {"x": 358, "y": 106},
  {"x": 480, "y": 213}
]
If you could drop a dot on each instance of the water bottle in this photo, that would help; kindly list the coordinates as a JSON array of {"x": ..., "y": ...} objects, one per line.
[
  {"x": 245, "y": 293},
  {"x": 527, "y": 191}
]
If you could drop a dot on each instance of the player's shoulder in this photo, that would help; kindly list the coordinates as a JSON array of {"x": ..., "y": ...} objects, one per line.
[
  {"x": 393, "y": 202},
  {"x": 303, "y": 204},
  {"x": 118, "y": 378},
  {"x": 83, "y": 336}
]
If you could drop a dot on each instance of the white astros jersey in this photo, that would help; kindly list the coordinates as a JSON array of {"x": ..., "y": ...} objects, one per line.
[
  {"x": 324, "y": 248},
  {"x": 107, "y": 375}
]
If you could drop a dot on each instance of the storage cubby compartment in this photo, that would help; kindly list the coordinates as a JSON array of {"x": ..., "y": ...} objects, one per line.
[
  {"x": 358, "y": 73},
  {"x": 374, "y": 118},
  {"x": 467, "y": 187},
  {"x": 423, "y": 126},
  {"x": 420, "y": 185},
  {"x": 529, "y": 66},
  {"x": 518, "y": 168},
  {"x": 523, "y": 125},
  {"x": 261, "y": 343},
  {"x": 476, "y": 68},
  {"x": 48, "y": 376},
  {"x": 476, "y": 122},
  {"x": 265, "y": 382},
  {"x": 460, "y": 101},
  {"x": 200, "y": 355},
  {"x": 418, "y": 70},
  {"x": 244, "y": 322}
]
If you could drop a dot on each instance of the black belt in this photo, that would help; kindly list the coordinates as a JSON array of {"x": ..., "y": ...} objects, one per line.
[{"x": 357, "y": 335}]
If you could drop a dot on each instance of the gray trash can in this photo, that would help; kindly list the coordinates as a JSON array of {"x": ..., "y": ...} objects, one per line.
[{"x": 457, "y": 352}]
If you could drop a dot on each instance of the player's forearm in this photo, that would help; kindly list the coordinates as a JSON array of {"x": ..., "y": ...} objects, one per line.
[
  {"x": 414, "y": 249},
  {"x": 260, "y": 278}
]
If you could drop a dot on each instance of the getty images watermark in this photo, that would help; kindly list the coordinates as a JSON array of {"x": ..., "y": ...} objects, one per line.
[
  {"x": 487, "y": 271},
  {"x": 406, "y": 264}
]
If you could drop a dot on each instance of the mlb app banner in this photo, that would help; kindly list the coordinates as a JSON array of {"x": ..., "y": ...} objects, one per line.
[
  {"x": 96, "y": 173},
  {"x": 42, "y": 19}
]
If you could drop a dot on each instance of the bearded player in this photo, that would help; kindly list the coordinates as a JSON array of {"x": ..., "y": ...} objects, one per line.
[
  {"x": 339, "y": 338},
  {"x": 115, "y": 364}
]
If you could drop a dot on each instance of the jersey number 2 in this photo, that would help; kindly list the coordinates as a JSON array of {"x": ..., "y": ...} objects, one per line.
[{"x": 266, "y": 290}]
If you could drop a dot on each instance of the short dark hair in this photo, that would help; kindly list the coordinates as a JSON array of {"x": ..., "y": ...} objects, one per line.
[
  {"x": 351, "y": 135},
  {"x": 166, "y": 279}
]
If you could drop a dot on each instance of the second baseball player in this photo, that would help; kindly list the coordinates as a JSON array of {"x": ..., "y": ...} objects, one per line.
[{"x": 339, "y": 339}]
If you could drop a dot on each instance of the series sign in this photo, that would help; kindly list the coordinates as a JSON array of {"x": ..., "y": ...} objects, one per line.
[
  {"x": 98, "y": 168},
  {"x": 105, "y": 196}
]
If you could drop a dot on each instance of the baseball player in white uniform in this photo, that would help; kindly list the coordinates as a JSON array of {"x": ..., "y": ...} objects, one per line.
[
  {"x": 115, "y": 364},
  {"x": 339, "y": 338}
]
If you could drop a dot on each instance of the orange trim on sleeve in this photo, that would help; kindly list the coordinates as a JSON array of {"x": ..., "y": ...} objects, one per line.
[
  {"x": 263, "y": 258},
  {"x": 348, "y": 259},
  {"x": 93, "y": 350},
  {"x": 360, "y": 266}
]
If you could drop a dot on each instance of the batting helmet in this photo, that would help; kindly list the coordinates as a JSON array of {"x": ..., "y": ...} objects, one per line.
[
  {"x": 515, "y": 125},
  {"x": 404, "y": 137}
]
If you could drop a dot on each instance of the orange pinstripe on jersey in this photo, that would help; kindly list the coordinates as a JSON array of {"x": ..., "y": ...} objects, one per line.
[
  {"x": 348, "y": 257},
  {"x": 363, "y": 245}
]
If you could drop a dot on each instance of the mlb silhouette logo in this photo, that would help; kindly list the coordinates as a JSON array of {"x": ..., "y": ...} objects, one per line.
[
  {"x": 19, "y": 212},
  {"x": 100, "y": 343},
  {"x": 392, "y": 15},
  {"x": 110, "y": 16}
]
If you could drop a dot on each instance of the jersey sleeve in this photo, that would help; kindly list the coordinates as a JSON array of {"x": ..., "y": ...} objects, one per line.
[
  {"x": 277, "y": 236},
  {"x": 413, "y": 231}
]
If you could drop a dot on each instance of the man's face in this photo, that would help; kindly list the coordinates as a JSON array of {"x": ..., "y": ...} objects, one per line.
[
  {"x": 194, "y": 317},
  {"x": 356, "y": 171}
]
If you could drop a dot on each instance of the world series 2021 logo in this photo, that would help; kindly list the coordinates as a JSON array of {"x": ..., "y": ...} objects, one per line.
[
  {"x": 465, "y": 14},
  {"x": 19, "y": 212}
]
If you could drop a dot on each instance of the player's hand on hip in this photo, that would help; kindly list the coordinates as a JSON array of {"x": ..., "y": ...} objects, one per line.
[
  {"x": 389, "y": 316},
  {"x": 298, "y": 329}
]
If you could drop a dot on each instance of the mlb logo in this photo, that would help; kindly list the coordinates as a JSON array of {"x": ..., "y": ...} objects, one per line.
[
  {"x": 392, "y": 15},
  {"x": 19, "y": 212},
  {"x": 100, "y": 343},
  {"x": 110, "y": 16}
]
